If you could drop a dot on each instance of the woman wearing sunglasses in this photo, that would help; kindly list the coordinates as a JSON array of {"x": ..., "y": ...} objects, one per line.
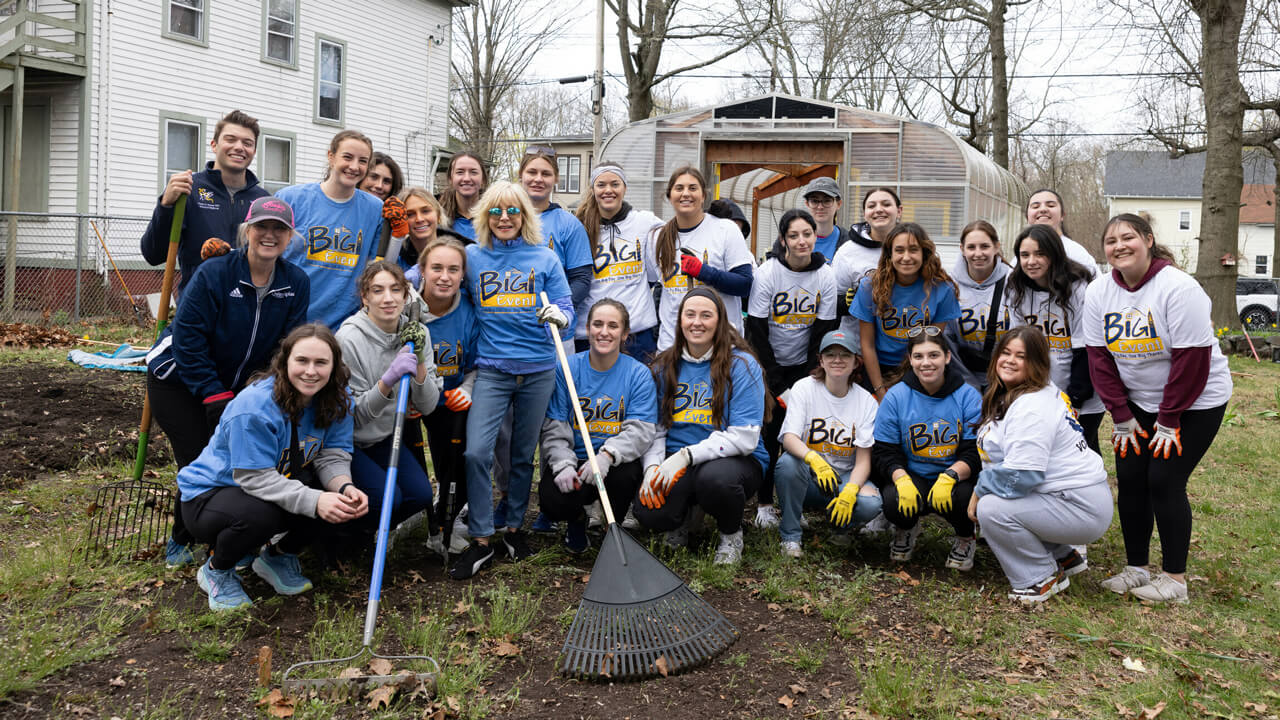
[
  {"x": 507, "y": 268},
  {"x": 925, "y": 458}
]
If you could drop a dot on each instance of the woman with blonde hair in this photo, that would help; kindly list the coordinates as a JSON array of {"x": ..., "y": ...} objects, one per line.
[{"x": 426, "y": 219}]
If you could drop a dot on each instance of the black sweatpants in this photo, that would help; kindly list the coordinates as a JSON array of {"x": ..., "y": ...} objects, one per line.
[
  {"x": 1153, "y": 491},
  {"x": 958, "y": 517},
  {"x": 785, "y": 377},
  {"x": 235, "y": 524},
  {"x": 621, "y": 485},
  {"x": 721, "y": 487},
  {"x": 447, "y": 439},
  {"x": 181, "y": 416}
]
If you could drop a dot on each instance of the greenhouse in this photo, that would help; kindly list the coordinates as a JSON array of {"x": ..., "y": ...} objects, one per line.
[{"x": 762, "y": 151}]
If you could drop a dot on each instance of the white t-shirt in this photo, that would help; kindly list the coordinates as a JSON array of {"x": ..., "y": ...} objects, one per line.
[
  {"x": 1040, "y": 432},
  {"x": 1140, "y": 328},
  {"x": 1039, "y": 309},
  {"x": 852, "y": 261},
  {"x": 791, "y": 301},
  {"x": 1075, "y": 251},
  {"x": 718, "y": 243},
  {"x": 831, "y": 425},
  {"x": 619, "y": 270}
]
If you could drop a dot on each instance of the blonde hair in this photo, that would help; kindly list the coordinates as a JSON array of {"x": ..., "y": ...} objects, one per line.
[
  {"x": 506, "y": 194},
  {"x": 417, "y": 191}
]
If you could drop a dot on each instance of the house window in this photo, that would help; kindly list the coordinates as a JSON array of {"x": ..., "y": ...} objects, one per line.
[
  {"x": 186, "y": 20},
  {"x": 570, "y": 167},
  {"x": 331, "y": 57},
  {"x": 1184, "y": 219},
  {"x": 1260, "y": 265},
  {"x": 280, "y": 34},
  {"x": 181, "y": 145},
  {"x": 276, "y": 160}
]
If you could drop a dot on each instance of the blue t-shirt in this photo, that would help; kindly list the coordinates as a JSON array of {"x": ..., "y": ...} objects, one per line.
[
  {"x": 624, "y": 392},
  {"x": 563, "y": 233},
  {"x": 691, "y": 422},
  {"x": 254, "y": 435},
  {"x": 337, "y": 240},
  {"x": 827, "y": 245},
  {"x": 505, "y": 282},
  {"x": 463, "y": 227},
  {"x": 908, "y": 309},
  {"x": 928, "y": 429},
  {"x": 453, "y": 338}
]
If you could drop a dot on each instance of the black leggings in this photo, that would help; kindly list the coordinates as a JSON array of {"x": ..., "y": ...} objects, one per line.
[
  {"x": 721, "y": 487},
  {"x": 621, "y": 485},
  {"x": 1089, "y": 424},
  {"x": 181, "y": 416},
  {"x": 1153, "y": 491},
  {"x": 958, "y": 517},
  {"x": 235, "y": 524},
  {"x": 447, "y": 438},
  {"x": 786, "y": 376}
]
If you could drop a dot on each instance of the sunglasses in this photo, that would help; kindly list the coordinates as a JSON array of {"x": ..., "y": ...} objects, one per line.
[
  {"x": 540, "y": 150},
  {"x": 498, "y": 212},
  {"x": 930, "y": 330}
]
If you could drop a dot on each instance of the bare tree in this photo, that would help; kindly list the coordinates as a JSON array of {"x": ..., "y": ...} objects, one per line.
[{"x": 1073, "y": 166}]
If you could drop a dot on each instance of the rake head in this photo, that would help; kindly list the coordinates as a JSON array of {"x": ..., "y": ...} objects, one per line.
[
  {"x": 638, "y": 620},
  {"x": 128, "y": 520}
]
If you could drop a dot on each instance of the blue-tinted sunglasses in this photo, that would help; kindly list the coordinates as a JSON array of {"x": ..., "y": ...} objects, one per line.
[{"x": 497, "y": 212}]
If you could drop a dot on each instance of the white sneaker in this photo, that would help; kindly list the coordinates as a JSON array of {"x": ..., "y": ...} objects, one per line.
[
  {"x": 595, "y": 515},
  {"x": 1129, "y": 578},
  {"x": 876, "y": 525},
  {"x": 766, "y": 516},
  {"x": 791, "y": 549},
  {"x": 904, "y": 543},
  {"x": 630, "y": 522},
  {"x": 460, "y": 536},
  {"x": 962, "y": 552},
  {"x": 730, "y": 550},
  {"x": 1162, "y": 588}
]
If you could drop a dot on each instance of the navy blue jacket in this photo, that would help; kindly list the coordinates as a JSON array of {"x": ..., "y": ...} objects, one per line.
[
  {"x": 211, "y": 213},
  {"x": 221, "y": 334}
]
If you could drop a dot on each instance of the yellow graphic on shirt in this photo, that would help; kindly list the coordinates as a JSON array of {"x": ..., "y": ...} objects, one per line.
[
  {"x": 797, "y": 308},
  {"x": 692, "y": 403},
  {"x": 617, "y": 258},
  {"x": 509, "y": 290},
  {"x": 603, "y": 415},
  {"x": 830, "y": 437},
  {"x": 680, "y": 281},
  {"x": 1131, "y": 331},
  {"x": 1054, "y": 327},
  {"x": 982, "y": 438},
  {"x": 337, "y": 247},
  {"x": 447, "y": 358},
  {"x": 973, "y": 323},
  {"x": 896, "y": 322},
  {"x": 936, "y": 440}
]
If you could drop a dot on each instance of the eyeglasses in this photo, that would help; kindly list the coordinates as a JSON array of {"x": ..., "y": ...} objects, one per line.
[
  {"x": 540, "y": 150},
  {"x": 513, "y": 211},
  {"x": 820, "y": 200},
  {"x": 930, "y": 330}
]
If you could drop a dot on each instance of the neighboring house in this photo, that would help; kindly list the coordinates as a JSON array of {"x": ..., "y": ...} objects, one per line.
[
  {"x": 1168, "y": 191},
  {"x": 573, "y": 156}
]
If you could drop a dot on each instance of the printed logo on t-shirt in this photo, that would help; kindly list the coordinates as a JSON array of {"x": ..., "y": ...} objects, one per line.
[
  {"x": 797, "y": 308},
  {"x": 1131, "y": 331},
  {"x": 896, "y": 322},
  {"x": 692, "y": 403},
  {"x": 680, "y": 281},
  {"x": 1054, "y": 327},
  {"x": 973, "y": 323},
  {"x": 447, "y": 355},
  {"x": 603, "y": 415},
  {"x": 310, "y": 447},
  {"x": 619, "y": 258},
  {"x": 937, "y": 440},
  {"x": 510, "y": 289},
  {"x": 830, "y": 437},
  {"x": 337, "y": 247}
]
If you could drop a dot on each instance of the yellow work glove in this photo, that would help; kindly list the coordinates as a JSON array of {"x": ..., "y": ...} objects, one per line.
[
  {"x": 908, "y": 496},
  {"x": 828, "y": 481},
  {"x": 940, "y": 493},
  {"x": 841, "y": 508}
]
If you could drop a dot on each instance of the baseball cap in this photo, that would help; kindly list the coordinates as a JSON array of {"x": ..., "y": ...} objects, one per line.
[
  {"x": 841, "y": 338},
  {"x": 824, "y": 185},
  {"x": 269, "y": 208}
]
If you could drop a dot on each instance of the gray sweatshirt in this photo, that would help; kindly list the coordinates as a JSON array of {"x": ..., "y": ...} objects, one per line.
[{"x": 367, "y": 352}]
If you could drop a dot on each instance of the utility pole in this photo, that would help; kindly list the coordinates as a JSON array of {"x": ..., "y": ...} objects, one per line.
[{"x": 597, "y": 88}]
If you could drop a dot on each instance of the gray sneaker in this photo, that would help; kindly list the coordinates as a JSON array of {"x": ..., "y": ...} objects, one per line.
[
  {"x": 962, "y": 552},
  {"x": 791, "y": 549},
  {"x": 630, "y": 522},
  {"x": 1162, "y": 588},
  {"x": 730, "y": 550},
  {"x": 1129, "y": 578},
  {"x": 904, "y": 543}
]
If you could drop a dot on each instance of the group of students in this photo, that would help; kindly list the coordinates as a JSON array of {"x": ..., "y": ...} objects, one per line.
[{"x": 863, "y": 380}]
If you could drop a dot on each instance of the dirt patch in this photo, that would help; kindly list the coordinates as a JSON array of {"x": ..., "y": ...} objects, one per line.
[{"x": 57, "y": 417}]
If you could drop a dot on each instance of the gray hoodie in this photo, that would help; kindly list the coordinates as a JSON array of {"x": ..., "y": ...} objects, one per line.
[
  {"x": 970, "y": 330},
  {"x": 367, "y": 351}
]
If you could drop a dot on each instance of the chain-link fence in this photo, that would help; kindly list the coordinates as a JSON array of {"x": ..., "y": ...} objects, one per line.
[{"x": 62, "y": 268}]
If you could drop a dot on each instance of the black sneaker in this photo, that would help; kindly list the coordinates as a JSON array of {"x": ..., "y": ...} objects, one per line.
[
  {"x": 516, "y": 544},
  {"x": 575, "y": 537},
  {"x": 472, "y": 561},
  {"x": 1072, "y": 564}
]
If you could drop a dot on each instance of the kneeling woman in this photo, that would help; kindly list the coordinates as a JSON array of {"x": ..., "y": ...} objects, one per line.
[
  {"x": 373, "y": 345},
  {"x": 925, "y": 457},
  {"x": 1041, "y": 489},
  {"x": 830, "y": 428},
  {"x": 707, "y": 451},
  {"x": 620, "y": 407},
  {"x": 279, "y": 459}
]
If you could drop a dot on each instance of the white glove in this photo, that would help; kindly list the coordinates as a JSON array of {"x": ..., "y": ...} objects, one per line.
[
  {"x": 650, "y": 496},
  {"x": 551, "y": 314},
  {"x": 604, "y": 461},
  {"x": 1126, "y": 434},
  {"x": 567, "y": 479},
  {"x": 1166, "y": 439},
  {"x": 671, "y": 469}
]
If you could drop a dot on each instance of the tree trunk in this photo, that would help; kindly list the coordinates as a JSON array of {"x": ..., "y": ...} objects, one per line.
[
  {"x": 1224, "y": 97},
  {"x": 640, "y": 103},
  {"x": 1274, "y": 149},
  {"x": 1000, "y": 85}
]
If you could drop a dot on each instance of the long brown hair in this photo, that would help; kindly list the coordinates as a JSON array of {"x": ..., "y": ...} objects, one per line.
[
  {"x": 449, "y": 198},
  {"x": 669, "y": 235},
  {"x": 331, "y": 402},
  {"x": 884, "y": 276},
  {"x": 1143, "y": 228},
  {"x": 1064, "y": 273},
  {"x": 588, "y": 212},
  {"x": 998, "y": 397},
  {"x": 724, "y": 342}
]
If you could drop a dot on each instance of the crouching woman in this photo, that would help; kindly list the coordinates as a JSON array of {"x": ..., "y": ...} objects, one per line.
[
  {"x": 279, "y": 461},
  {"x": 1041, "y": 489}
]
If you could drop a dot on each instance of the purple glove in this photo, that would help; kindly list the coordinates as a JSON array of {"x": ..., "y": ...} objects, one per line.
[{"x": 404, "y": 363}]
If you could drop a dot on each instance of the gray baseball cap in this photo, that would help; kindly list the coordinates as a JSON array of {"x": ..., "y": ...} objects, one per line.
[
  {"x": 269, "y": 208},
  {"x": 841, "y": 338},
  {"x": 824, "y": 185}
]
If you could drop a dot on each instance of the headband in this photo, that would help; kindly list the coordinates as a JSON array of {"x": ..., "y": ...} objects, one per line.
[
  {"x": 703, "y": 291},
  {"x": 610, "y": 168}
]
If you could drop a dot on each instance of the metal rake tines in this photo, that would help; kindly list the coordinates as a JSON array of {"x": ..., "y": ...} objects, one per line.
[
  {"x": 665, "y": 636},
  {"x": 127, "y": 518}
]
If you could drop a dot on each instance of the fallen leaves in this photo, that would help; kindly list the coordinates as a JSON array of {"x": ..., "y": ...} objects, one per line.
[
  {"x": 786, "y": 701},
  {"x": 504, "y": 648},
  {"x": 380, "y": 666},
  {"x": 905, "y": 577},
  {"x": 663, "y": 665},
  {"x": 1150, "y": 713},
  {"x": 22, "y": 335},
  {"x": 277, "y": 705},
  {"x": 381, "y": 697}
]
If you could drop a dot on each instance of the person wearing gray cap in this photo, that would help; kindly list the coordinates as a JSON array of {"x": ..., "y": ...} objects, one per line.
[{"x": 822, "y": 198}]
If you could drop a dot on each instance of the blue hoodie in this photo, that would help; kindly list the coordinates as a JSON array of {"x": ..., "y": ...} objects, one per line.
[
  {"x": 453, "y": 338},
  {"x": 504, "y": 283},
  {"x": 691, "y": 423},
  {"x": 924, "y": 434}
]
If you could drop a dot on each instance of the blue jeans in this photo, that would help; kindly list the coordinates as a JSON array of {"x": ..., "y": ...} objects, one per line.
[
  {"x": 494, "y": 393},
  {"x": 369, "y": 472},
  {"x": 798, "y": 490}
]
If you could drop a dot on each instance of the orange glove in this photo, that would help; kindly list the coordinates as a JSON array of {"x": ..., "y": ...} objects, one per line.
[
  {"x": 457, "y": 399},
  {"x": 213, "y": 247},
  {"x": 393, "y": 213}
]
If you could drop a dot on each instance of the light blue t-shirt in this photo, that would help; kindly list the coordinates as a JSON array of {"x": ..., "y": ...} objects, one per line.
[
  {"x": 563, "y": 233},
  {"x": 908, "y": 309},
  {"x": 504, "y": 283},
  {"x": 624, "y": 392},
  {"x": 928, "y": 429},
  {"x": 691, "y": 422},
  {"x": 827, "y": 245},
  {"x": 463, "y": 227},
  {"x": 337, "y": 240},
  {"x": 453, "y": 338},
  {"x": 254, "y": 435}
]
